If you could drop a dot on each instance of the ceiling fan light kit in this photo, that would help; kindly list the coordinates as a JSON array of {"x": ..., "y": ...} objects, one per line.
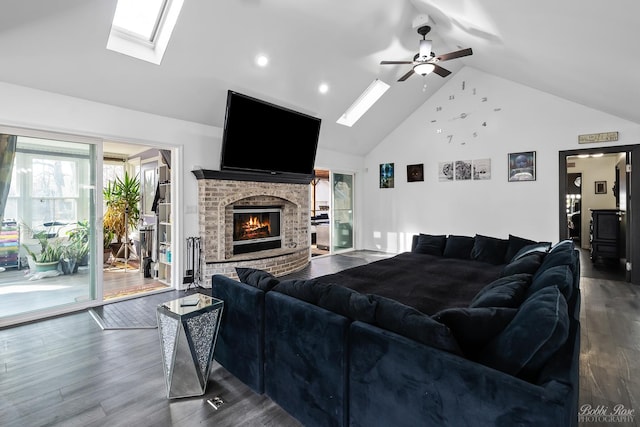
[
  {"x": 423, "y": 69},
  {"x": 425, "y": 61}
]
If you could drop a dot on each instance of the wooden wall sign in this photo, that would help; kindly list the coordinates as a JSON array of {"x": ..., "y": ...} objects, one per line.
[{"x": 597, "y": 137}]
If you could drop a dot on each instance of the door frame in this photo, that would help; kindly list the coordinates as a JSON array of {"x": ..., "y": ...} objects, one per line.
[{"x": 633, "y": 204}]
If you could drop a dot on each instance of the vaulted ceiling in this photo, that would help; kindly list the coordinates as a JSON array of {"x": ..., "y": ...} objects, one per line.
[{"x": 583, "y": 50}]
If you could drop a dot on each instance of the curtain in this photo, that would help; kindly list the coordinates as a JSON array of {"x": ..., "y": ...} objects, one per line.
[{"x": 7, "y": 155}]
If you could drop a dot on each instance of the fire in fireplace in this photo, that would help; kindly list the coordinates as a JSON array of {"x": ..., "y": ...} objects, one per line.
[{"x": 256, "y": 229}]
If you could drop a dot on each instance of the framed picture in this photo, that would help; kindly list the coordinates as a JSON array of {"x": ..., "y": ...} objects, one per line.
[
  {"x": 462, "y": 170},
  {"x": 601, "y": 187},
  {"x": 445, "y": 171},
  {"x": 386, "y": 175},
  {"x": 522, "y": 166},
  {"x": 415, "y": 173},
  {"x": 481, "y": 169}
]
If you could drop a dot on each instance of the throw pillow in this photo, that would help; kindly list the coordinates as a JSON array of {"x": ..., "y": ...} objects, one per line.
[
  {"x": 257, "y": 278},
  {"x": 515, "y": 244},
  {"x": 458, "y": 247},
  {"x": 538, "y": 330},
  {"x": 560, "y": 276},
  {"x": 430, "y": 244},
  {"x": 507, "y": 291},
  {"x": 564, "y": 255},
  {"x": 528, "y": 264},
  {"x": 541, "y": 248},
  {"x": 300, "y": 289},
  {"x": 475, "y": 327},
  {"x": 489, "y": 249},
  {"x": 409, "y": 322}
]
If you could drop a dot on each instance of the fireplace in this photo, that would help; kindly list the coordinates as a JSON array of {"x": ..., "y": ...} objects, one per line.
[{"x": 256, "y": 228}]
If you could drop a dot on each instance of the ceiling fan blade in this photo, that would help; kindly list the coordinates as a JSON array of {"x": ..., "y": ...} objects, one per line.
[
  {"x": 425, "y": 48},
  {"x": 406, "y": 76},
  {"x": 442, "y": 72},
  {"x": 454, "y": 55},
  {"x": 395, "y": 62}
]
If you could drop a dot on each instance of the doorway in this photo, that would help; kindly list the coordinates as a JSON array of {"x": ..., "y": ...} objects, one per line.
[
  {"x": 597, "y": 211},
  {"x": 332, "y": 213}
]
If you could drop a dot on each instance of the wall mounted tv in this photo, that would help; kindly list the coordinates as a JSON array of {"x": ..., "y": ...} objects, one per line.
[{"x": 263, "y": 137}]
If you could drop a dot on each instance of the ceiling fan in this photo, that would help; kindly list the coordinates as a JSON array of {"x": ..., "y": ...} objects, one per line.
[{"x": 425, "y": 61}]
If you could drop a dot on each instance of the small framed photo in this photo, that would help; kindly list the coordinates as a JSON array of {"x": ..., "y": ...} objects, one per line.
[
  {"x": 386, "y": 175},
  {"x": 601, "y": 187},
  {"x": 415, "y": 173},
  {"x": 522, "y": 166}
]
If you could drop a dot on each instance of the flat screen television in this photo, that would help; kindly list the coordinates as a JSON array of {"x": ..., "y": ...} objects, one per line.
[{"x": 262, "y": 137}]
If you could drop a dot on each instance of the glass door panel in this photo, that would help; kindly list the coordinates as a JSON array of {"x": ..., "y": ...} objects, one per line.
[
  {"x": 342, "y": 211},
  {"x": 46, "y": 223}
]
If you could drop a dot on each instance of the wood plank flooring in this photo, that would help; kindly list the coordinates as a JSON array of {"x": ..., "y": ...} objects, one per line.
[{"x": 66, "y": 371}]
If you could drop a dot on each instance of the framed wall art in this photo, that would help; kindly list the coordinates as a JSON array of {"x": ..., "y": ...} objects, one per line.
[
  {"x": 522, "y": 166},
  {"x": 386, "y": 175},
  {"x": 415, "y": 173},
  {"x": 601, "y": 187}
]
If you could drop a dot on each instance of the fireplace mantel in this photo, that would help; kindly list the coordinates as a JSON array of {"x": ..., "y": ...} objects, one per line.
[{"x": 287, "y": 178}]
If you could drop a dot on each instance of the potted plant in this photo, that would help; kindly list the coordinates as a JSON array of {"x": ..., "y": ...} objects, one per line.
[
  {"x": 79, "y": 242},
  {"x": 50, "y": 251},
  {"x": 122, "y": 198}
]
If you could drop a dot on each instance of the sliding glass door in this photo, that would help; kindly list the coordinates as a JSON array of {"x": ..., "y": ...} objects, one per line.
[{"x": 47, "y": 241}]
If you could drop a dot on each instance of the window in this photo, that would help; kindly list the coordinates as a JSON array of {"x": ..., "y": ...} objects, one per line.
[{"x": 142, "y": 29}]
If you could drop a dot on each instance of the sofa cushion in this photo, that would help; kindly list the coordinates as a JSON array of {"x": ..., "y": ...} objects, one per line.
[
  {"x": 515, "y": 244},
  {"x": 564, "y": 254},
  {"x": 508, "y": 291},
  {"x": 541, "y": 248},
  {"x": 330, "y": 296},
  {"x": 560, "y": 276},
  {"x": 430, "y": 244},
  {"x": 409, "y": 322},
  {"x": 538, "y": 330},
  {"x": 489, "y": 249},
  {"x": 257, "y": 278},
  {"x": 475, "y": 327},
  {"x": 527, "y": 264},
  {"x": 458, "y": 247}
]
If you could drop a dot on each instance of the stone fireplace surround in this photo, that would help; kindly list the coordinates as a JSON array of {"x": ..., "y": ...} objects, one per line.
[{"x": 220, "y": 191}]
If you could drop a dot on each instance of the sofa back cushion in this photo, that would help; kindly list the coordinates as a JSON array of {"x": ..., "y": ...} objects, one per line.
[
  {"x": 257, "y": 278},
  {"x": 562, "y": 253},
  {"x": 527, "y": 264},
  {"x": 515, "y": 244},
  {"x": 540, "y": 248},
  {"x": 538, "y": 330},
  {"x": 489, "y": 249},
  {"x": 430, "y": 244},
  {"x": 475, "y": 327},
  {"x": 332, "y": 297},
  {"x": 411, "y": 323},
  {"x": 560, "y": 276},
  {"x": 508, "y": 291},
  {"x": 458, "y": 247}
]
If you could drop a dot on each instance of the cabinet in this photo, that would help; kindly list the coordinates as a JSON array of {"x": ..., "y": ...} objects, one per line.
[
  {"x": 9, "y": 244},
  {"x": 605, "y": 233},
  {"x": 164, "y": 225}
]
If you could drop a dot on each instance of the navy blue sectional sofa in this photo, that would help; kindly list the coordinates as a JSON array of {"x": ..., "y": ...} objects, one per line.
[{"x": 460, "y": 331}]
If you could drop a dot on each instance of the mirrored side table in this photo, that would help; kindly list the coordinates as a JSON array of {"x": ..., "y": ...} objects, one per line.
[{"x": 188, "y": 330}]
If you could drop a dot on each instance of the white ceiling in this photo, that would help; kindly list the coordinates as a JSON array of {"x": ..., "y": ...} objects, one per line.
[{"x": 583, "y": 50}]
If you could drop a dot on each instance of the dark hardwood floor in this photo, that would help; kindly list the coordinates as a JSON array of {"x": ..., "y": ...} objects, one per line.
[{"x": 67, "y": 371}]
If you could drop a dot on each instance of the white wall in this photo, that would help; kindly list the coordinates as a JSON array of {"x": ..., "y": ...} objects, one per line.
[{"x": 527, "y": 120}]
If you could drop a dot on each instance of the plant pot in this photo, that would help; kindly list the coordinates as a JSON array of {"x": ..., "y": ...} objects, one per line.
[
  {"x": 106, "y": 254},
  {"x": 45, "y": 266},
  {"x": 84, "y": 261},
  {"x": 69, "y": 266}
]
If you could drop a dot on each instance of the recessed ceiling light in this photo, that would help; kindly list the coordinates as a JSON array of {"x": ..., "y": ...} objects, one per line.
[
  {"x": 323, "y": 88},
  {"x": 262, "y": 60}
]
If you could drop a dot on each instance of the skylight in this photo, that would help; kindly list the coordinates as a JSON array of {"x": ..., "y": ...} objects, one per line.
[
  {"x": 139, "y": 18},
  {"x": 142, "y": 29}
]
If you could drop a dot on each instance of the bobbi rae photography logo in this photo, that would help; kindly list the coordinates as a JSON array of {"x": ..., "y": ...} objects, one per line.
[{"x": 604, "y": 414}]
